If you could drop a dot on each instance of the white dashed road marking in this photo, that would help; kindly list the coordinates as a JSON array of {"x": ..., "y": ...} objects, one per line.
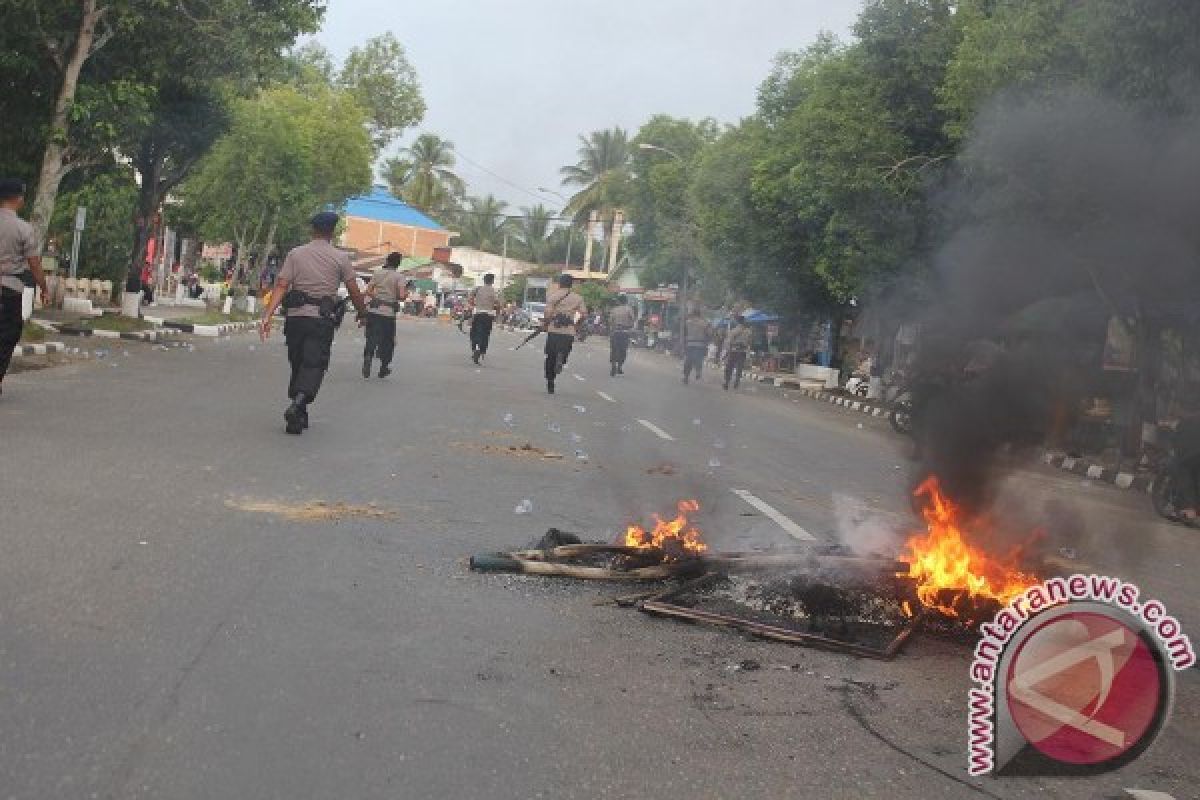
[
  {"x": 792, "y": 528},
  {"x": 578, "y": 377},
  {"x": 606, "y": 396},
  {"x": 657, "y": 431}
]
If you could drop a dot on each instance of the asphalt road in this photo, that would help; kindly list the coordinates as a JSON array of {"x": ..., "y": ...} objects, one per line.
[{"x": 179, "y": 620}]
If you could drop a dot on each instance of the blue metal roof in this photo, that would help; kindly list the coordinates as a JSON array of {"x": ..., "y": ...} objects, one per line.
[{"x": 379, "y": 205}]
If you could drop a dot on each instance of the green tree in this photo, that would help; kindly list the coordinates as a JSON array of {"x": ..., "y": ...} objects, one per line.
[
  {"x": 600, "y": 175},
  {"x": 287, "y": 154},
  {"x": 385, "y": 83},
  {"x": 665, "y": 235},
  {"x": 424, "y": 176},
  {"x": 483, "y": 223},
  {"x": 533, "y": 232},
  {"x": 109, "y": 196},
  {"x": 596, "y": 295}
]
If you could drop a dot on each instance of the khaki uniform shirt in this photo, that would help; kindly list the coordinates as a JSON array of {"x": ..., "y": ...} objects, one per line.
[
  {"x": 18, "y": 244},
  {"x": 739, "y": 338},
  {"x": 317, "y": 269},
  {"x": 621, "y": 318},
  {"x": 486, "y": 299},
  {"x": 697, "y": 331},
  {"x": 388, "y": 285},
  {"x": 565, "y": 302}
]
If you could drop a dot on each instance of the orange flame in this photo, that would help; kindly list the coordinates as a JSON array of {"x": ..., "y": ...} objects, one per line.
[
  {"x": 946, "y": 566},
  {"x": 671, "y": 535}
]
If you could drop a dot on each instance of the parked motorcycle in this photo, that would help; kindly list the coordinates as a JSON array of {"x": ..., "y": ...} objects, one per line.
[{"x": 1164, "y": 491}]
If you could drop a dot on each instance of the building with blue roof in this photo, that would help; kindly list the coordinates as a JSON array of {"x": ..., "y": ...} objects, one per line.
[{"x": 378, "y": 223}]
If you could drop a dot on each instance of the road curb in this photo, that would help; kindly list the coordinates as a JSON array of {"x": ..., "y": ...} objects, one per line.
[
  {"x": 223, "y": 329},
  {"x": 41, "y": 349},
  {"x": 133, "y": 336},
  {"x": 1085, "y": 468}
]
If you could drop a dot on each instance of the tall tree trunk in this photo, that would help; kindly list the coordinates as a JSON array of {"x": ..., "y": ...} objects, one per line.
[
  {"x": 265, "y": 252},
  {"x": 54, "y": 157},
  {"x": 150, "y": 167}
]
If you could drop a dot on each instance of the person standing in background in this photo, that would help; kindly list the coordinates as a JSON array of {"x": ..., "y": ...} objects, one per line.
[
  {"x": 696, "y": 333},
  {"x": 737, "y": 347},
  {"x": 20, "y": 266},
  {"x": 620, "y": 326}
]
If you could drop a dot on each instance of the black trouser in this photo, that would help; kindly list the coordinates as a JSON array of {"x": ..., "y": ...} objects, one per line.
[
  {"x": 11, "y": 324},
  {"x": 558, "y": 348},
  {"x": 693, "y": 359},
  {"x": 735, "y": 362},
  {"x": 1184, "y": 479},
  {"x": 618, "y": 347},
  {"x": 309, "y": 340},
  {"x": 381, "y": 338},
  {"x": 481, "y": 332}
]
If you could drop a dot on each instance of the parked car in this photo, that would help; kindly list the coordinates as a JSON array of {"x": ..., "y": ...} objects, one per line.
[{"x": 536, "y": 312}]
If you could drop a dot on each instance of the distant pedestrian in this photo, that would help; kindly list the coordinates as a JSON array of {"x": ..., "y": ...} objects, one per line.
[
  {"x": 20, "y": 266},
  {"x": 307, "y": 288},
  {"x": 696, "y": 333},
  {"x": 737, "y": 347},
  {"x": 621, "y": 321},
  {"x": 562, "y": 305},
  {"x": 485, "y": 302},
  {"x": 385, "y": 296}
]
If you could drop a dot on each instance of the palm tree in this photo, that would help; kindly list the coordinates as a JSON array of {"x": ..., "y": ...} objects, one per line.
[
  {"x": 482, "y": 223},
  {"x": 533, "y": 230},
  {"x": 601, "y": 172},
  {"x": 423, "y": 176}
]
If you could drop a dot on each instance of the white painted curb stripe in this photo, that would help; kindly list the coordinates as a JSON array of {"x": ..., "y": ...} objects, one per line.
[
  {"x": 657, "y": 431},
  {"x": 792, "y": 528}
]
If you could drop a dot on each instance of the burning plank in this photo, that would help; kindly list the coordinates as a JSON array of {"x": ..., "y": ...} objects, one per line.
[{"x": 952, "y": 576}]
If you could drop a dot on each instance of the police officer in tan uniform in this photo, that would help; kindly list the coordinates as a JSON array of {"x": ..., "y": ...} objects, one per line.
[
  {"x": 20, "y": 266},
  {"x": 307, "y": 287},
  {"x": 386, "y": 294},
  {"x": 620, "y": 325},
  {"x": 563, "y": 306},
  {"x": 737, "y": 347},
  {"x": 485, "y": 303}
]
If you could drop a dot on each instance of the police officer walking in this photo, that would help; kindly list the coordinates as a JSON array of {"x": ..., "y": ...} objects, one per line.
[
  {"x": 696, "y": 333},
  {"x": 307, "y": 288},
  {"x": 20, "y": 266},
  {"x": 620, "y": 326},
  {"x": 562, "y": 306},
  {"x": 386, "y": 293},
  {"x": 737, "y": 346},
  {"x": 486, "y": 302}
]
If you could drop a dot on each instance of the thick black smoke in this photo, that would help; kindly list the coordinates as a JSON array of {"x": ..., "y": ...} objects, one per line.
[{"x": 1065, "y": 210}]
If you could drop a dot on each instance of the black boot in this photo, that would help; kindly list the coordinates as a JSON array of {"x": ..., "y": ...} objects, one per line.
[
  {"x": 613, "y": 371},
  {"x": 367, "y": 367},
  {"x": 550, "y": 387},
  {"x": 297, "y": 414},
  {"x": 475, "y": 356},
  {"x": 384, "y": 370}
]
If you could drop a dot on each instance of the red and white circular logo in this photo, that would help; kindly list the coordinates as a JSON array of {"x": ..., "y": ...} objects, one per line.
[{"x": 1085, "y": 688}]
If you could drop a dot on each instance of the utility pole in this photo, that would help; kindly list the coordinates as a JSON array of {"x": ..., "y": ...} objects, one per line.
[
  {"x": 618, "y": 223},
  {"x": 593, "y": 218},
  {"x": 504, "y": 265},
  {"x": 77, "y": 238}
]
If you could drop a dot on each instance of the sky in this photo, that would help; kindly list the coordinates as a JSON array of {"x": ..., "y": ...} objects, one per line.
[{"x": 514, "y": 83}]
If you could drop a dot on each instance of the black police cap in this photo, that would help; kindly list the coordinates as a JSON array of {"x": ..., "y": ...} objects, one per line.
[{"x": 324, "y": 221}]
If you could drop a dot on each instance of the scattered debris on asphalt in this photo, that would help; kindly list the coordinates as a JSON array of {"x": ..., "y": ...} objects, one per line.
[{"x": 314, "y": 511}]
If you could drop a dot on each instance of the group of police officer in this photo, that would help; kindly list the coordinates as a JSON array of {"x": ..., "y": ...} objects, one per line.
[{"x": 307, "y": 288}]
